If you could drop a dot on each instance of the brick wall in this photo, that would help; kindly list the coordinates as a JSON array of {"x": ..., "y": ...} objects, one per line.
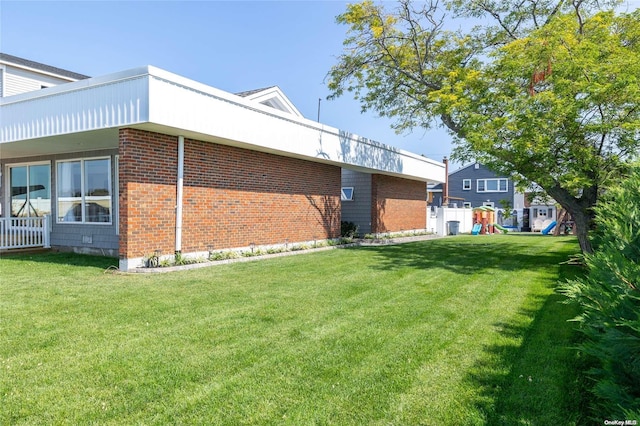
[
  {"x": 231, "y": 196},
  {"x": 147, "y": 176},
  {"x": 397, "y": 204}
]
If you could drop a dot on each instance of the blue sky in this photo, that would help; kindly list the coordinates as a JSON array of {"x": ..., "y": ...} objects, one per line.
[{"x": 234, "y": 46}]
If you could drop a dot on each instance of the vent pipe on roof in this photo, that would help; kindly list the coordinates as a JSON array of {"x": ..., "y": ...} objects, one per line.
[{"x": 179, "y": 185}]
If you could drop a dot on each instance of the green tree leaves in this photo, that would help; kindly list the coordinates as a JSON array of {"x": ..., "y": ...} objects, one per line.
[{"x": 544, "y": 91}]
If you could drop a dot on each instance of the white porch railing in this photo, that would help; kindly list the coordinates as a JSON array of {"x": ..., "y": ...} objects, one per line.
[{"x": 24, "y": 232}]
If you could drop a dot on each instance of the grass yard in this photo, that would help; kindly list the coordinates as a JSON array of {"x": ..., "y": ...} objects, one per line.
[{"x": 455, "y": 331}]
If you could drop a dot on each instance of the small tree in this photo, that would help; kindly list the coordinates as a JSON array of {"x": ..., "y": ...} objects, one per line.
[{"x": 610, "y": 300}]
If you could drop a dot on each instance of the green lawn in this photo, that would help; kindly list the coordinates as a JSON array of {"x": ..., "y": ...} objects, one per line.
[{"x": 456, "y": 331}]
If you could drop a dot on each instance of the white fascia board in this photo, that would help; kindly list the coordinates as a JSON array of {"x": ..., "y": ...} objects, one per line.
[
  {"x": 203, "y": 89},
  {"x": 149, "y": 95},
  {"x": 112, "y": 101},
  {"x": 77, "y": 85}
]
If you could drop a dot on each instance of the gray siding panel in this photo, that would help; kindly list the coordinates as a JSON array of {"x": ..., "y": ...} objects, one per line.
[
  {"x": 85, "y": 236},
  {"x": 358, "y": 211},
  {"x": 472, "y": 196}
]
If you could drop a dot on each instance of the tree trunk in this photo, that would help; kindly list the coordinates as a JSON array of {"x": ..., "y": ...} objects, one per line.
[
  {"x": 580, "y": 209},
  {"x": 582, "y": 222}
]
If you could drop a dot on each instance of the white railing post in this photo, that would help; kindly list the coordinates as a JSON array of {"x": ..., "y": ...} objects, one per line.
[
  {"x": 3, "y": 233},
  {"x": 46, "y": 231}
]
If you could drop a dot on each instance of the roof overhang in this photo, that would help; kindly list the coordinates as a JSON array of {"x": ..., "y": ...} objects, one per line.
[{"x": 86, "y": 115}]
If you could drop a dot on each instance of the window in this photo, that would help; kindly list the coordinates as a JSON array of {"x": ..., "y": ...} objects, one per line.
[
  {"x": 492, "y": 185},
  {"x": 346, "y": 194},
  {"x": 488, "y": 204},
  {"x": 30, "y": 190},
  {"x": 467, "y": 205},
  {"x": 84, "y": 191},
  {"x": 466, "y": 184}
]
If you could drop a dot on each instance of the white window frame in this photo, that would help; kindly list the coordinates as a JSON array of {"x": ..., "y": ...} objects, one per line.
[
  {"x": 467, "y": 205},
  {"x": 84, "y": 198},
  {"x": 466, "y": 184},
  {"x": 7, "y": 183},
  {"x": 346, "y": 196},
  {"x": 484, "y": 182},
  {"x": 489, "y": 204}
]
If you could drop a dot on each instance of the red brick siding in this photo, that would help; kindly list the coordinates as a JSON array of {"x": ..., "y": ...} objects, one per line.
[
  {"x": 231, "y": 197},
  {"x": 147, "y": 174},
  {"x": 397, "y": 204}
]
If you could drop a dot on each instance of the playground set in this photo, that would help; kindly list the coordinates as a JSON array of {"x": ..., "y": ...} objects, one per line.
[{"x": 484, "y": 223}]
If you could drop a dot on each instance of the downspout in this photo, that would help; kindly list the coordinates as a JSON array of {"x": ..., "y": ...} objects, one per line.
[
  {"x": 179, "y": 185},
  {"x": 445, "y": 186}
]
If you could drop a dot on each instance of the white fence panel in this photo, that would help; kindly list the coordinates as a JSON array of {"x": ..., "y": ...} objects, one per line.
[
  {"x": 24, "y": 232},
  {"x": 437, "y": 219}
]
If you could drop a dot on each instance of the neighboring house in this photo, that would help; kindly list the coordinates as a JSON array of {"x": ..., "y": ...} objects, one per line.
[
  {"x": 541, "y": 211},
  {"x": 144, "y": 161},
  {"x": 473, "y": 186},
  {"x": 19, "y": 75}
]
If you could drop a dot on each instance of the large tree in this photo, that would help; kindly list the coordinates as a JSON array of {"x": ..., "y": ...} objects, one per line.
[{"x": 544, "y": 91}]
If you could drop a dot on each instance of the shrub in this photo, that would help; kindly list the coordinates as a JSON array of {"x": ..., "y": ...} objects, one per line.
[
  {"x": 348, "y": 229},
  {"x": 179, "y": 259},
  {"x": 275, "y": 250},
  {"x": 609, "y": 296},
  {"x": 223, "y": 255},
  {"x": 253, "y": 252}
]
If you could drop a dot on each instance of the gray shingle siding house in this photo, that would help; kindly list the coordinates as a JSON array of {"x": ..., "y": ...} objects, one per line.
[{"x": 475, "y": 186}]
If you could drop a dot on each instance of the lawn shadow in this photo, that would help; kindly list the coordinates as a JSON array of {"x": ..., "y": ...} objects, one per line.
[
  {"x": 538, "y": 381},
  {"x": 462, "y": 255},
  {"x": 63, "y": 258},
  {"x": 532, "y": 375}
]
